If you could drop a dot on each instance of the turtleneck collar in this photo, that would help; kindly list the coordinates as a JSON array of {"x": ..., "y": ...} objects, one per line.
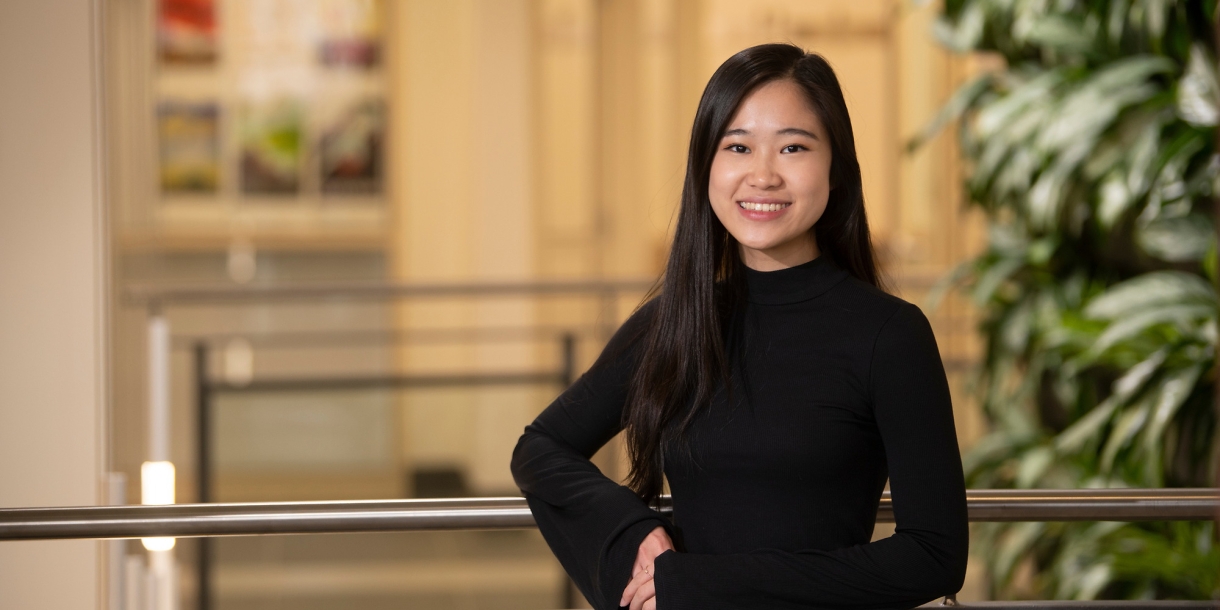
[{"x": 794, "y": 284}]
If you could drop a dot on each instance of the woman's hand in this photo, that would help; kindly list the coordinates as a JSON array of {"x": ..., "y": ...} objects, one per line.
[{"x": 640, "y": 593}]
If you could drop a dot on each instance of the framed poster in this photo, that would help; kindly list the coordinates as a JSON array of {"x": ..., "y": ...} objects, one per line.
[
  {"x": 295, "y": 112},
  {"x": 271, "y": 135},
  {"x": 351, "y": 150},
  {"x": 186, "y": 31},
  {"x": 189, "y": 147},
  {"x": 350, "y": 33}
]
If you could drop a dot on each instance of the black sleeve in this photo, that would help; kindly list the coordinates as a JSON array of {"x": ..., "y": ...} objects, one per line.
[
  {"x": 592, "y": 524},
  {"x": 926, "y": 556}
]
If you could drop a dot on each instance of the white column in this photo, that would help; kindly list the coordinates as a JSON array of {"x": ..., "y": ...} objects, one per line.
[
  {"x": 54, "y": 278},
  {"x": 163, "y": 576},
  {"x": 158, "y": 388},
  {"x": 157, "y": 474}
]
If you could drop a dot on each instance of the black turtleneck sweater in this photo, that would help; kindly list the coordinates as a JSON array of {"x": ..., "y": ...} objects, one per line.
[{"x": 837, "y": 386}]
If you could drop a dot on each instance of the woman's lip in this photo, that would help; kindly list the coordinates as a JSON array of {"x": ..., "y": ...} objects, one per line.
[{"x": 761, "y": 200}]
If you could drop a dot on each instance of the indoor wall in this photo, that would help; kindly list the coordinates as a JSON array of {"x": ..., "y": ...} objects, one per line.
[{"x": 54, "y": 251}]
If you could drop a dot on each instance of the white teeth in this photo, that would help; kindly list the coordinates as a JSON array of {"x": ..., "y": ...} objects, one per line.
[{"x": 762, "y": 207}]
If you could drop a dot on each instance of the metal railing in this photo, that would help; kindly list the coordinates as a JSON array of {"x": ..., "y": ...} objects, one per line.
[
  {"x": 156, "y": 299},
  {"x": 1083, "y": 605},
  {"x": 209, "y": 520},
  {"x": 206, "y": 390},
  {"x": 157, "y": 296},
  {"x": 193, "y": 520},
  {"x": 206, "y": 520}
]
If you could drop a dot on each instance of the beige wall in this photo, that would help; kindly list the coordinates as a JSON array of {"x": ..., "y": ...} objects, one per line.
[
  {"x": 462, "y": 191},
  {"x": 614, "y": 90},
  {"x": 52, "y": 270}
]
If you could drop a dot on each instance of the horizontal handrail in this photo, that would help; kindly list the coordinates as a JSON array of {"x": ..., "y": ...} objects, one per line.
[
  {"x": 1083, "y": 605},
  {"x": 190, "y": 520},
  {"x": 164, "y": 295},
  {"x": 370, "y": 337},
  {"x": 314, "y": 384}
]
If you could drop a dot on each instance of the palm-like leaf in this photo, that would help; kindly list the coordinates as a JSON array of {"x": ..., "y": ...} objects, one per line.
[{"x": 1092, "y": 153}]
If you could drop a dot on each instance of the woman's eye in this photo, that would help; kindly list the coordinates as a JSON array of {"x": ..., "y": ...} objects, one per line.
[
  {"x": 737, "y": 148},
  {"x": 791, "y": 148}
]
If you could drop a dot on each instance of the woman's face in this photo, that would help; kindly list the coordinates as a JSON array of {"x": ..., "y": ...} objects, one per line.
[{"x": 771, "y": 177}]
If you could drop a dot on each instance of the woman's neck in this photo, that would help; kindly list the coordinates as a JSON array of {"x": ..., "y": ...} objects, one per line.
[{"x": 775, "y": 259}]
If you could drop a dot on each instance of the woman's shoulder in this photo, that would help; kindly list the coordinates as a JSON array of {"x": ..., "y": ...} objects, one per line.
[
  {"x": 872, "y": 302},
  {"x": 894, "y": 322},
  {"x": 641, "y": 319},
  {"x": 626, "y": 342}
]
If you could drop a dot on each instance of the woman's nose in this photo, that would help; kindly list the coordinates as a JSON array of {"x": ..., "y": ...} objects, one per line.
[{"x": 763, "y": 174}]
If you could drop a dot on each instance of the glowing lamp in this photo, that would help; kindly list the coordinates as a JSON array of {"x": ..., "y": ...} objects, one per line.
[{"x": 157, "y": 488}]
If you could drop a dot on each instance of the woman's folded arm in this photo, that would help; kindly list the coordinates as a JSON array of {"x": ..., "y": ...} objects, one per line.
[{"x": 592, "y": 524}]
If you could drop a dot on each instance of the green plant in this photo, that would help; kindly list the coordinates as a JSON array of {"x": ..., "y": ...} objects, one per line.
[{"x": 1092, "y": 153}]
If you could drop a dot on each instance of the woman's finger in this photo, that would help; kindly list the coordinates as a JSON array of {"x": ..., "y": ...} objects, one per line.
[
  {"x": 646, "y": 592},
  {"x": 651, "y": 604},
  {"x": 633, "y": 587}
]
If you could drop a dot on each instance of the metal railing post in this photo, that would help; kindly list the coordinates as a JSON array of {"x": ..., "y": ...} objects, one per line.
[
  {"x": 116, "y": 495},
  {"x": 203, "y": 458}
]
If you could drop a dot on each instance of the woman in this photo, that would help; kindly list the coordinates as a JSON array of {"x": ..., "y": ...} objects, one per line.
[{"x": 770, "y": 381}]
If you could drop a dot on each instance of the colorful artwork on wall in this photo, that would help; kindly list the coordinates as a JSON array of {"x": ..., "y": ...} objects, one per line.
[
  {"x": 271, "y": 147},
  {"x": 189, "y": 147},
  {"x": 299, "y": 80},
  {"x": 186, "y": 31},
  {"x": 350, "y": 33},
  {"x": 351, "y": 150},
  {"x": 273, "y": 35}
]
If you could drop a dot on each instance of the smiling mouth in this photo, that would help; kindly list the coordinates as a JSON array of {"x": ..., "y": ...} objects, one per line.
[{"x": 762, "y": 207}]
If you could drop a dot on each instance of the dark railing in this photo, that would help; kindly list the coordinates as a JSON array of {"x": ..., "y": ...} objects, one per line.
[
  {"x": 156, "y": 298},
  {"x": 206, "y": 389}
]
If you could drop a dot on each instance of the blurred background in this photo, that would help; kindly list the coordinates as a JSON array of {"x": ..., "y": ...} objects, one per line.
[{"x": 348, "y": 249}]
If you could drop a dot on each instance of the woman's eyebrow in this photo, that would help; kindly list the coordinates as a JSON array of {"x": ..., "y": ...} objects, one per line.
[
  {"x": 796, "y": 131},
  {"x": 787, "y": 131}
]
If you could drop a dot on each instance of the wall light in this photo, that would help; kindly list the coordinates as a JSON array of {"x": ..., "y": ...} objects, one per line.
[{"x": 157, "y": 488}]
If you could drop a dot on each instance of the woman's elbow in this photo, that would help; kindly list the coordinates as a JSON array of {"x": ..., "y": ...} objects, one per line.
[
  {"x": 529, "y": 456},
  {"x": 942, "y": 565},
  {"x": 954, "y": 578},
  {"x": 951, "y": 574},
  {"x": 518, "y": 465}
]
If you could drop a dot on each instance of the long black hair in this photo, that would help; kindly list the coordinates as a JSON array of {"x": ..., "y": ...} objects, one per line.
[{"x": 684, "y": 360}]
